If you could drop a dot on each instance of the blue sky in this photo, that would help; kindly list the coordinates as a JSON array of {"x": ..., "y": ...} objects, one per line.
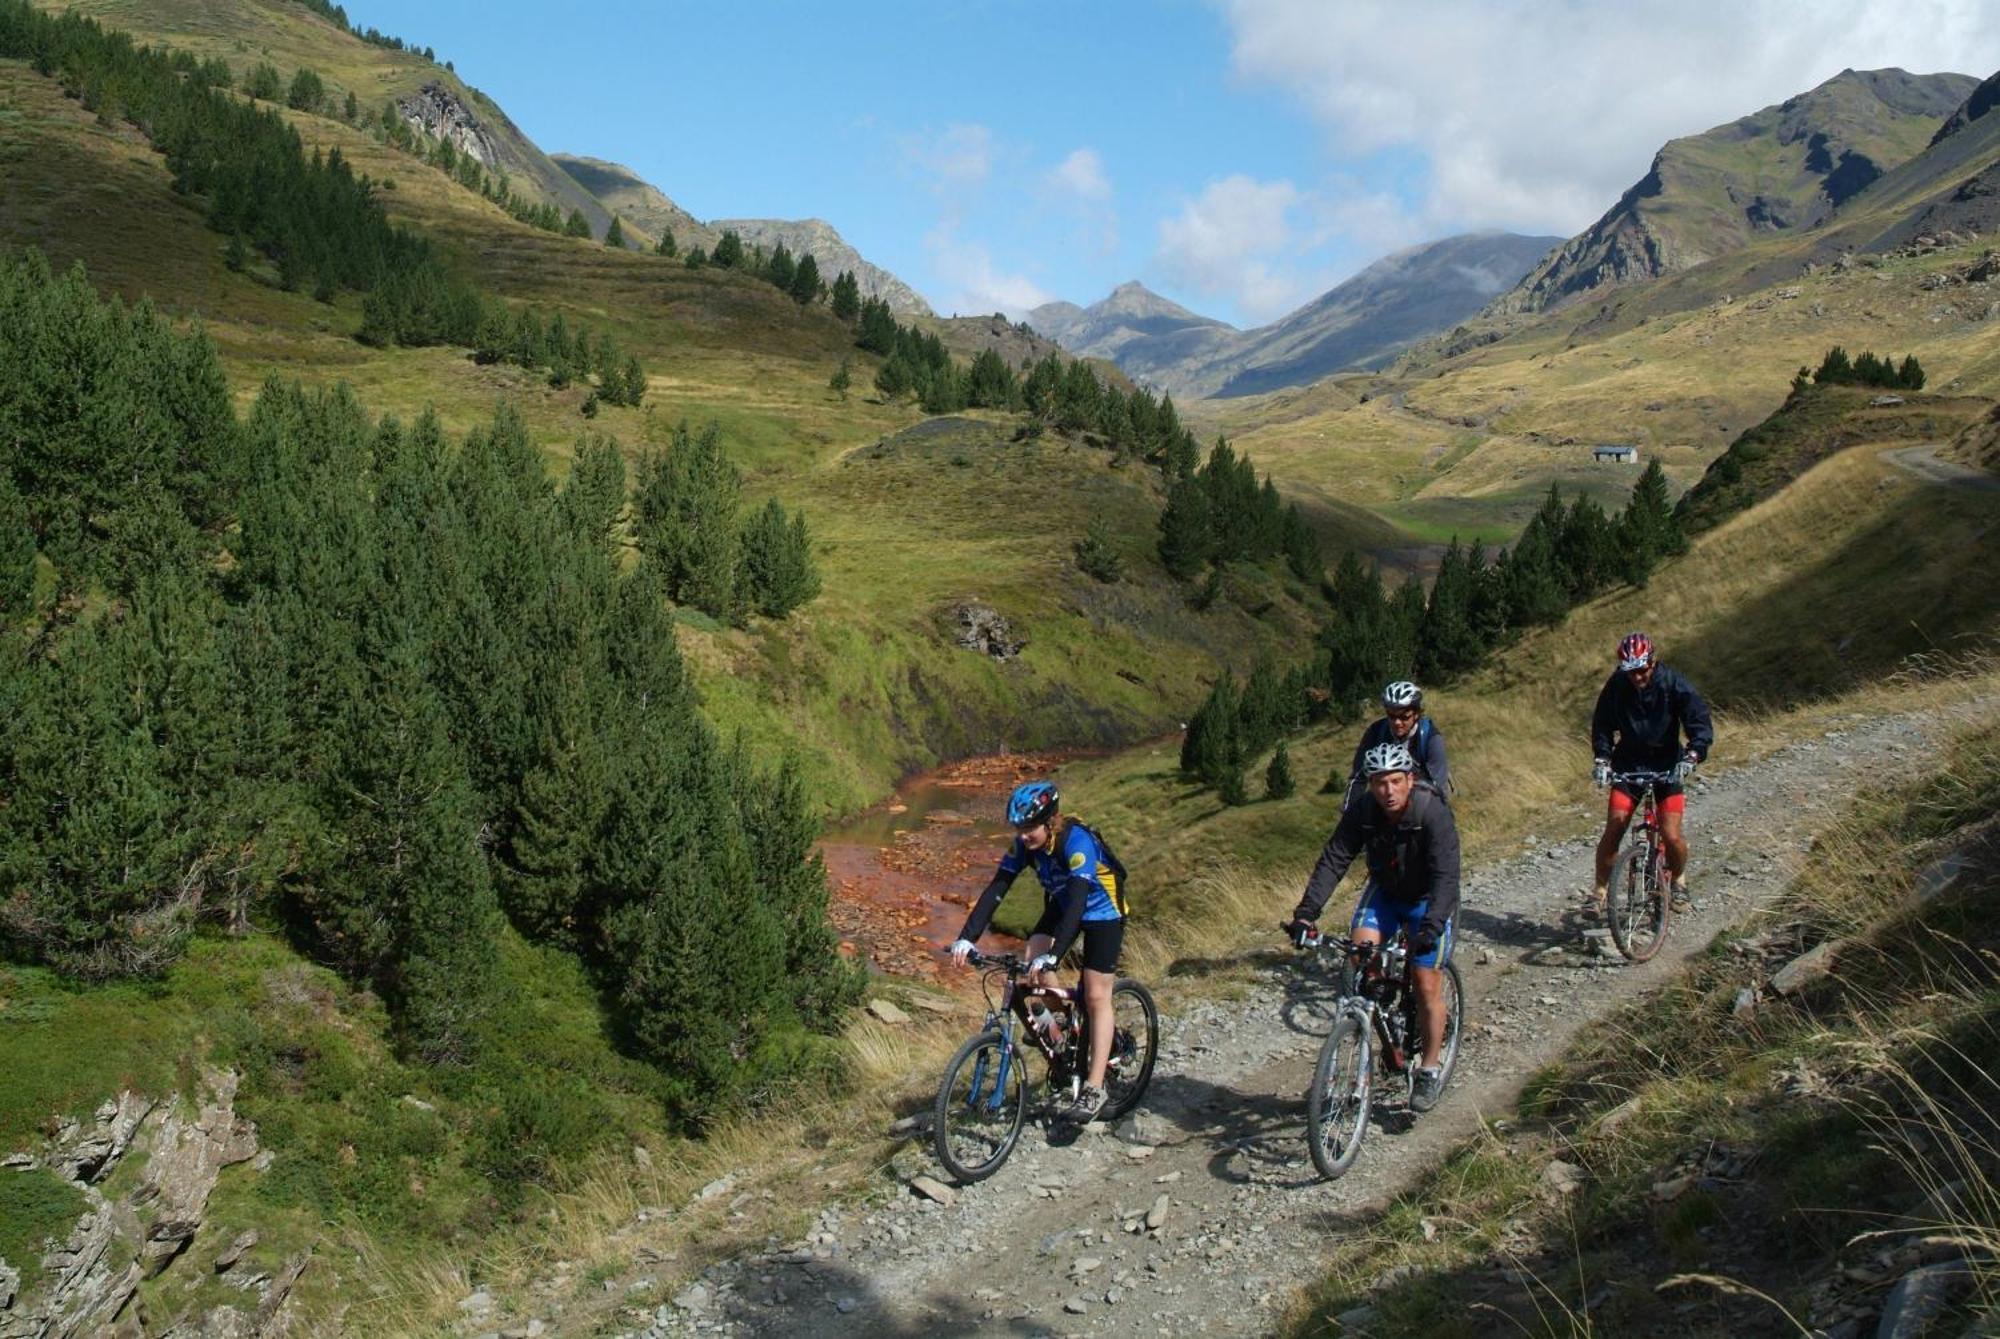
[{"x": 1239, "y": 156}]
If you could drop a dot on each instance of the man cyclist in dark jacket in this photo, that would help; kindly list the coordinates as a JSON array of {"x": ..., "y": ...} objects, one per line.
[
  {"x": 1642, "y": 713},
  {"x": 1405, "y": 830},
  {"x": 1402, "y": 722}
]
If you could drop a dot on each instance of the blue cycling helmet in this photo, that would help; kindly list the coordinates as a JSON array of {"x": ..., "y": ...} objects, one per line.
[{"x": 1032, "y": 803}]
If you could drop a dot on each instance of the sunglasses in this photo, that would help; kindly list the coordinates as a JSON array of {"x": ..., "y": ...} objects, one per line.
[{"x": 1403, "y": 715}]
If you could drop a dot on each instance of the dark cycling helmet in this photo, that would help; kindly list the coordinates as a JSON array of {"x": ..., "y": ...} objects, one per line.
[
  {"x": 1388, "y": 758},
  {"x": 1403, "y": 694},
  {"x": 1635, "y": 652},
  {"x": 1032, "y": 803}
]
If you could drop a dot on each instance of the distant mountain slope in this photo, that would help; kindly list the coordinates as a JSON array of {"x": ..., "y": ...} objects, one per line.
[
  {"x": 1362, "y": 323},
  {"x": 817, "y": 238},
  {"x": 1148, "y": 336},
  {"x": 639, "y": 203},
  {"x": 1368, "y": 320},
  {"x": 1787, "y": 167}
]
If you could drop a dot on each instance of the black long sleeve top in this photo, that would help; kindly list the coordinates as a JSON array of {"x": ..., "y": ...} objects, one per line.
[{"x": 1411, "y": 859}]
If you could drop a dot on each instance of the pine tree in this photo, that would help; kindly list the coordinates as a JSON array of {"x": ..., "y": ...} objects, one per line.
[
  {"x": 17, "y": 552},
  {"x": 780, "y": 267},
  {"x": 778, "y": 570},
  {"x": 307, "y": 92},
  {"x": 263, "y": 83},
  {"x": 614, "y": 236},
  {"x": 846, "y": 299},
  {"x": 665, "y": 246},
  {"x": 729, "y": 251},
  {"x": 686, "y": 521},
  {"x": 782, "y": 835},
  {"x": 1096, "y": 557},
  {"x": 350, "y": 111},
  {"x": 805, "y": 284},
  {"x": 1648, "y": 530},
  {"x": 1911, "y": 375},
  {"x": 1278, "y": 782},
  {"x": 842, "y": 379},
  {"x": 1185, "y": 530},
  {"x": 576, "y": 225},
  {"x": 696, "y": 258}
]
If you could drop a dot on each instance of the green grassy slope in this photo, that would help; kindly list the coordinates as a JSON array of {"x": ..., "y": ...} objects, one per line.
[{"x": 287, "y": 35}]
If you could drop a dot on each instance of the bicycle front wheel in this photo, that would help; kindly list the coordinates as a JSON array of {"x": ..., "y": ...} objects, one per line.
[
  {"x": 1454, "y": 1023},
  {"x": 1135, "y": 1041},
  {"x": 981, "y": 1104},
  {"x": 1337, "y": 1106},
  {"x": 1639, "y": 907}
]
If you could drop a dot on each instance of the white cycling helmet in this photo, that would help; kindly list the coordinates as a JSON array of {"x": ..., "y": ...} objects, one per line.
[
  {"x": 1402, "y": 694},
  {"x": 1388, "y": 758}
]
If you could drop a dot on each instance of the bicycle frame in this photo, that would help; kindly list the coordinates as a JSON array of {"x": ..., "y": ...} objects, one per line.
[
  {"x": 1370, "y": 961},
  {"x": 1649, "y": 814},
  {"x": 1013, "y": 1006}
]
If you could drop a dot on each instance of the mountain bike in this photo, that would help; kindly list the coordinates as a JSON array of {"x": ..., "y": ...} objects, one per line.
[
  {"x": 983, "y": 1098},
  {"x": 1640, "y": 905},
  {"x": 1377, "y": 1008}
]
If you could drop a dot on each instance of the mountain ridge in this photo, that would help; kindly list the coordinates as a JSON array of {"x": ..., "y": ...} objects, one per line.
[
  {"x": 1363, "y": 322},
  {"x": 1785, "y": 167}
]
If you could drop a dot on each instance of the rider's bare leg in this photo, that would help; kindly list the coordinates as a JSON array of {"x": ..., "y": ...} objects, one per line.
[
  {"x": 1430, "y": 1010},
  {"x": 1615, "y": 824},
  {"x": 1097, "y": 1004},
  {"x": 1677, "y": 847}
]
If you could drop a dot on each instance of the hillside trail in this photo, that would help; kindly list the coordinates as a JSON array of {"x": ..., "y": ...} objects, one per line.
[
  {"x": 1923, "y": 462},
  {"x": 1217, "y": 1148}
]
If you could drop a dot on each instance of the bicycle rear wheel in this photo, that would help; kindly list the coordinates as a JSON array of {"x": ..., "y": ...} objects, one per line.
[
  {"x": 981, "y": 1103},
  {"x": 1639, "y": 907},
  {"x": 1135, "y": 1041},
  {"x": 1337, "y": 1105}
]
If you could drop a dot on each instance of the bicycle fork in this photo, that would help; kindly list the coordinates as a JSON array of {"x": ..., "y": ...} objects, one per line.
[{"x": 998, "y": 1097}]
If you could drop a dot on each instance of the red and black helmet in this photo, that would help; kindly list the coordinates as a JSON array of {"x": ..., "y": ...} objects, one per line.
[{"x": 1635, "y": 652}]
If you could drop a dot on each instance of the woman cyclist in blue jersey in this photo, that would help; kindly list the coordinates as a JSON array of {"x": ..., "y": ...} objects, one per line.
[{"x": 1084, "y": 887}]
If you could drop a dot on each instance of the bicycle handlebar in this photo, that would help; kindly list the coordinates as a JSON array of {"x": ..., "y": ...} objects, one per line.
[
  {"x": 1644, "y": 779},
  {"x": 1006, "y": 962}
]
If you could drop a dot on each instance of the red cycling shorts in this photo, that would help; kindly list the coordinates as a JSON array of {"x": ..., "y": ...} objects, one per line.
[{"x": 1673, "y": 800}]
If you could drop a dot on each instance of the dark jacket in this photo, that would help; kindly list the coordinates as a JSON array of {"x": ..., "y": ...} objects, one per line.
[
  {"x": 1426, "y": 745},
  {"x": 1641, "y": 731},
  {"x": 1413, "y": 859}
]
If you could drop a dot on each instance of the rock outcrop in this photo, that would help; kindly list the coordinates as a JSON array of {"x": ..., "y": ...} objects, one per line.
[
  {"x": 438, "y": 112},
  {"x": 980, "y": 627},
  {"x": 89, "y": 1279}
]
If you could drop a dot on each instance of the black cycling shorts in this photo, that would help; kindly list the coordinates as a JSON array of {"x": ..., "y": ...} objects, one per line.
[{"x": 1101, "y": 940}]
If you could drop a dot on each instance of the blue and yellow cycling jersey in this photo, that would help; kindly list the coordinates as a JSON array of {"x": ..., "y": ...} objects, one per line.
[{"x": 1081, "y": 856}]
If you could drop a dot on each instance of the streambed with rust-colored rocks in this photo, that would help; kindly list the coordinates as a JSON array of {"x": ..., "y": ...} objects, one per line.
[{"x": 903, "y": 873}]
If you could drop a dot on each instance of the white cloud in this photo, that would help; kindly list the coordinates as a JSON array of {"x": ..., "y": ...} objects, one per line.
[
  {"x": 1079, "y": 188},
  {"x": 1537, "y": 114},
  {"x": 1235, "y": 241},
  {"x": 1081, "y": 176},
  {"x": 975, "y": 284},
  {"x": 958, "y": 158}
]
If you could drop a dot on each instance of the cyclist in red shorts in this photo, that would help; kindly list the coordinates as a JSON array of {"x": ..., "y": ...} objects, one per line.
[{"x": 1642, "y": 713}]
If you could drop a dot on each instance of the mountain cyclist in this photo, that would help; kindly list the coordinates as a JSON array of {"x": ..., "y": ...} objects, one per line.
[
  {"x": 1083, "y": 885},
  {"x": 1642, "y": 713},
  {"x": 1405, "y": 830},
  {"x": 1402, "y": 722}
]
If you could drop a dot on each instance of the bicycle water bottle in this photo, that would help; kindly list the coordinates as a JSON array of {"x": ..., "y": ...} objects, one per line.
[{"x": 1044, "y": 1022}]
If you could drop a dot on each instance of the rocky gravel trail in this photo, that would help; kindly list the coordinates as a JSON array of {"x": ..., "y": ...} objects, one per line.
[{"x": 1202, "y": 1213}]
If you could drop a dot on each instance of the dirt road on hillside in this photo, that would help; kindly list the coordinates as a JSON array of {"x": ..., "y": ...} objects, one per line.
[
  {"x": 1923, "y": 462},
  {"x": 1043, "y": 1247}
]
